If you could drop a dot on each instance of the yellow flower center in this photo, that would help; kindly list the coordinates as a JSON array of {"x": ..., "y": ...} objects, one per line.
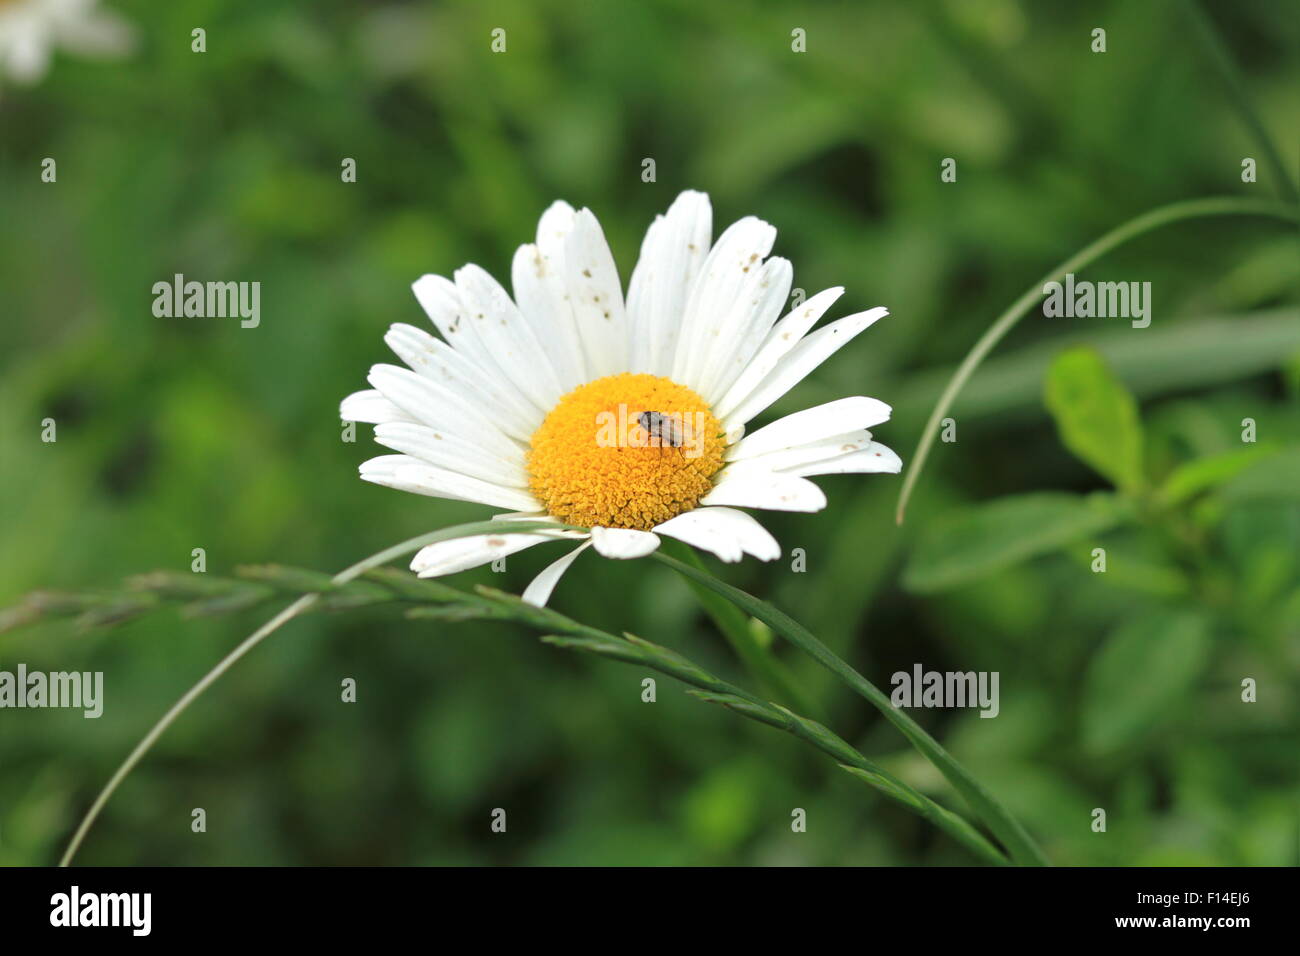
[{"x": 625, "y": 451}]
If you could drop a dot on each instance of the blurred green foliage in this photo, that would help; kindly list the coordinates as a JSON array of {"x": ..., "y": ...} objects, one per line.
[{"x": 1119, "y": 689}]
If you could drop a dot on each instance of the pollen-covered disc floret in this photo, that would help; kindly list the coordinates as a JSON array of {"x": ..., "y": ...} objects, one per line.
[{"x": 593, "y": 462}]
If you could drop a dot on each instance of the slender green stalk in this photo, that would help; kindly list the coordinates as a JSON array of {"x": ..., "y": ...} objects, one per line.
[
  {"x": 366, "y": 584},
  {"x": 143, "y": 747},
  {"x": 631, "y": 649},
  {"x": 1154, "y": 219},
  {"x": 1005, "y": 827},
  {"x": 634, "y": 650},
  {"x": 771, "y": 674},
  {"x": 289, "y": 613},
  {"x": 1232, "y": 79}
]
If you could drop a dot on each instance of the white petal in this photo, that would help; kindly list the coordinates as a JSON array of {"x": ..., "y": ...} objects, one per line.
[
  {"x": 738, "y": 251},
  {"x": 508, "y": 337},
  {"x": 454, "y": 370},
  {"x": 539, "y": 589},
  {"x": 455, "y": 454},
  {"x": 543, "y": 298},
  {"x": 440, "y": 408},
  {"x": 440, "y": 300},
  {"x": 788, "y": 459},
  {"x": 672, "y": 253},
  {"x": 743, "y": 330},
  {"x": 596, "y": 296},
  {"x": 623, "y": 542},
  {"x": 812, "y": 425},
  {"x": 784, "y": 336},
  {"x": 461, "y": 554},
  {"x": 724, "y": 531},
  {"x": 801, "y": 360},
  {"x": 874, "y": 459},
  {"x": 368, "y": 405},
  {"x": 410, "y": 474},
  {"x": 553, "y": 232},
  {"x": 773, "y": 491},
  {"x": 446, "y": 307}
]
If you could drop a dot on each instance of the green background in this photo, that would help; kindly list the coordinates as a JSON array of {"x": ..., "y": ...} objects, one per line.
[{"x": 1118, "y": 690}]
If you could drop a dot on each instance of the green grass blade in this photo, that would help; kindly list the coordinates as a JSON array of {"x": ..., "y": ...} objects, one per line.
[
  {"x": 772, "y": 675},
  {"x": 635, "y": 650},
  {"x": 1006, "y": 828}
]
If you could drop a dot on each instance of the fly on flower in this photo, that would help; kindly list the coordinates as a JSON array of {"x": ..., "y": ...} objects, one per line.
[
  {"x": 665, "y": 429},
  {"x": 499, "y": 410}
]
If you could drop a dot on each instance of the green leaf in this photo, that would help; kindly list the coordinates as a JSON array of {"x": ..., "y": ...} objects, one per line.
[
  {"x": 1096, "y": 416},
  {"x": 1004, "y": 532},
  {"x": 1144, "y": 669},
  {"x": 1190, "y": 479}
]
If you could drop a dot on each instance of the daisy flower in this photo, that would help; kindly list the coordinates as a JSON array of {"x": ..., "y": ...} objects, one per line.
[
  {"x": 31, "y": 29},
  {"x": 624, "y": 418}
]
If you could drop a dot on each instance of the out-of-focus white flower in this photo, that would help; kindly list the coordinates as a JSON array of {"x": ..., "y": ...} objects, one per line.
[{"x": 31, "y": 29}]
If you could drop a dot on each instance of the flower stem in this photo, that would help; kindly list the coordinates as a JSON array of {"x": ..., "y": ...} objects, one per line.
[
  {"x": 366, "y": 584},
  {"x": 1154, "y": 219},
  {"x": 287, "y": 614},
  {"x": 178, "y": 708}
]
